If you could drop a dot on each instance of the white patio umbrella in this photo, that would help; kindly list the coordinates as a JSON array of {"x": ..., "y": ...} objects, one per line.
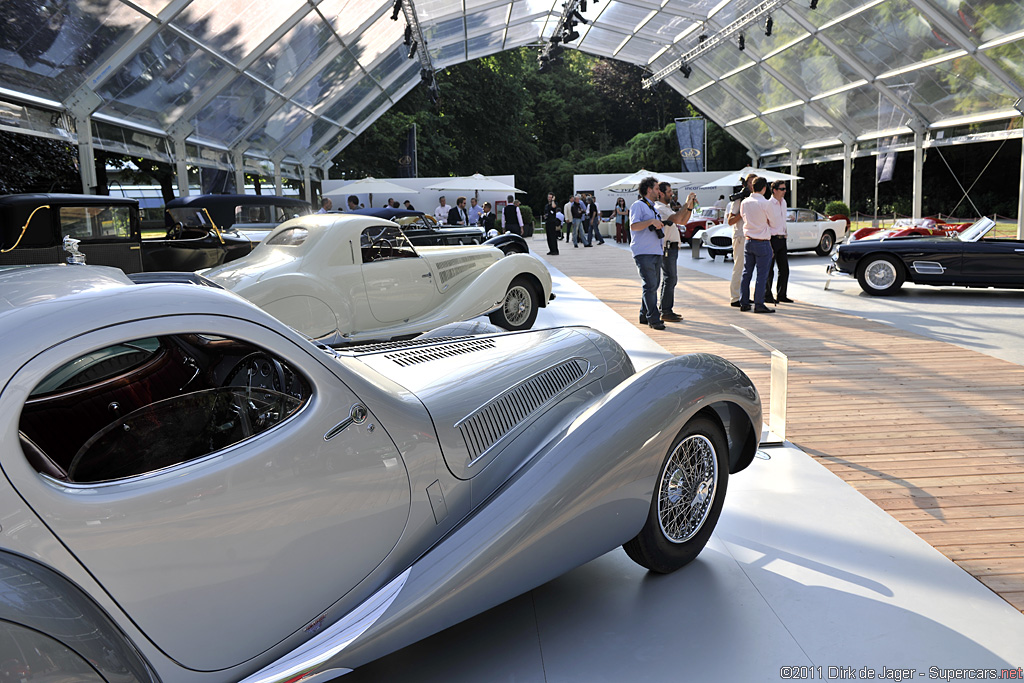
[
  {"x": 476, "y": 182},
  {"x": 632, "y": 181},
  {"x": 369, "y": 186},
  {"x": 736, "y": 177}
]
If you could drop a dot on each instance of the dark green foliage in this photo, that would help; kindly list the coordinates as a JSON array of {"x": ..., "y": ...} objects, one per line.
[
  {"x": 835, "y": 208},
  {"x": 34, "y": 164}
]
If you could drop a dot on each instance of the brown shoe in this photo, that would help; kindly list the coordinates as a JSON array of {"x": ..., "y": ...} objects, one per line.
[{"x": 671, "y": 317}]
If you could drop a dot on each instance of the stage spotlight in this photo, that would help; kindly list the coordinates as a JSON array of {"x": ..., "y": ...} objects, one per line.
[
  {"x": 579, "y": 17},
  {"x": 686, "y": 69},
  {"x": 397, "y": 10},
  {"x": 702, "y": 37},
  {"x": 555, "y": 38},
  {"x": 768, "y": 26},
  {"x": 742, "y": 43},
  {"x": 570, "y": 36},
  {"x": 814, "y": 4},
  {"x": 412, "y": 50},
  {"x": 583, "y": 5},
  {"x": 408, "y": 35}
]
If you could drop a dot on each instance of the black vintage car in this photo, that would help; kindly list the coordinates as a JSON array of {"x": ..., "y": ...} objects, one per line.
[
  {"x": 423, "y": 230},
  {"x": 881, "y": 266},
  {"x": 33, "y": 228},
  {"x": 251, "y": 215}
]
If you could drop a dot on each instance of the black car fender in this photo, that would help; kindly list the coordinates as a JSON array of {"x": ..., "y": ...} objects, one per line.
[{"x": 509, "y": 243}]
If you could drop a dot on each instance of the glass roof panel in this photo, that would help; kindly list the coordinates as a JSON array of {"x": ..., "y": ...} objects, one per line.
[
  {"x": 985, "y": 20},
  {"x": 717, "y": 102},
  {"x": 486, "y": 22},
  {"x": 957, "y": 88},
  {"x": 283, "y": 122},
  {"x": 761, "y": 88},
  {"x": 812, "y": 66},
  {"x": 600, "y": 41},
  {"x": 331, "y": 81},
  {"x": 829, "y": 11},
  {"x": 378, "y": 39},
  {"x": 484, "y": 45},
  {"x": 527, "y": 8},
  {"x": 446, "y": 55},
  {"x": 48, "y": 49},
  {"x": 232, "y": 110},
  {"x": 622, "y": 15},
  {"x": 235, "y": 27},
  {"x": 664, "y": 27},
  {"x": 169, "y": 73},
  {"x": 445, "y": 30},
  {"x": 637, "y": 51},
  {"x": 303, "y": 44},
  {"x": 354, "y": 91},
  {"x": 524, "y": 33},
  {"x": 392, "y": 63},
  {"x": 363, "y": 117},
  {"x": 1010, "y": 58},
  {"x": 723, "y": 59}
]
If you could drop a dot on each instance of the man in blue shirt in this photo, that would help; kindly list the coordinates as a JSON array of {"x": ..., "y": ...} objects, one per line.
[{"x": 646, "y": 233}]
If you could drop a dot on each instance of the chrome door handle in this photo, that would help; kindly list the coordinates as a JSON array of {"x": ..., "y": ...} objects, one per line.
[
  {"x": 356, "y": 416},
  {"x": 428, "y": 275}
]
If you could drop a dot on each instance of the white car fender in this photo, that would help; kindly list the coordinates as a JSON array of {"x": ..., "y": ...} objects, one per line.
[
  {"x": 304, "y": 303},
  {"x": 487, "y": 292}
]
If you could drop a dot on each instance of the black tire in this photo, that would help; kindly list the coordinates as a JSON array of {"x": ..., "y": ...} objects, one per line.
[
  {"x": 684, "y": 508},
  {"x": 880, "y": 275},
  {"x": 519, "y": 309},
  {"x": 825, "y": 244},
  {"x": 715, "y": 252}
]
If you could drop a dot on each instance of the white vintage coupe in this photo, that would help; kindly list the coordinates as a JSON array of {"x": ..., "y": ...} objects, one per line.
[
  {"x": 807, "y": 229},
  {"x": 343, "y": 278}
]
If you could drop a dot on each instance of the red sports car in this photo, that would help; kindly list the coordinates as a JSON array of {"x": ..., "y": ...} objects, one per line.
[
  {"x": 911, "y": 227},
  {"x": 701, "y": 220}
]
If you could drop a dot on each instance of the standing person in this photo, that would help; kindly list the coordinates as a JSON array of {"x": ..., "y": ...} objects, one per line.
[
  {"x": 487, "y": 220},
  {"x": 645, "y": 235},
  {"x": 512, "y": 218},
  {"x": 619, "y": 213},
  {"x": 567, "y": 216},
  {"x": 758, "y": 250},
  {"x": 578, "y": 235},
  {"x": 733, "y": 218},
  {"x": 552, "y": 224},
  {"x": 474, "y": 212},
  {"x": 672, "y": 218},
  {"x": 441, "y": 212},
  {"x": 409, "y": 206},
  {"x": 780, "y": 252},
  {"x": 353, "y": 202},
  {"x": 594, "y": 220},
  {"x": 457, "y": 214},
  {"x": 325, "y": 205},
  {"x": 720, "y": 204}
]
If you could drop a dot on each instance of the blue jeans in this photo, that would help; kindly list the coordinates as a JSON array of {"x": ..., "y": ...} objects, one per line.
[
  {"x": 649, "y": 266},
  {"x": 578, "y": 234},
  {"x": 670, "y": 276},
  {"x": 757, "y": 253},
  {"x": 594, "y": 232}
]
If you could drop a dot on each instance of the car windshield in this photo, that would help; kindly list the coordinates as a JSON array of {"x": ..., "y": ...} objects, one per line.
[
  {"x": 189, "y": 217},
  {"x": 978, "y": 230},
  {"x": 709, "y": 212}
]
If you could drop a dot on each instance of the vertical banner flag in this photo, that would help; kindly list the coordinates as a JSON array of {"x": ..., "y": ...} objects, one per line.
[
  {"x": 407, "y": 159},
  {"x": 690, "y": 132}
]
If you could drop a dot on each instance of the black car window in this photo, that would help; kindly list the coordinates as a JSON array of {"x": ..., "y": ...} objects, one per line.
[
  {"x": 144, "y": 405},
  {"x": 95, "y": 222},
  {"x": 381, "y": 242}
]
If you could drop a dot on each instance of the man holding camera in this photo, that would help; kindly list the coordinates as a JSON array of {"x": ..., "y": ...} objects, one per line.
[
  {"x": 670, "y": 254},
  {"x": 646, "y": 231},
  {"x": 734, "y": 218}
]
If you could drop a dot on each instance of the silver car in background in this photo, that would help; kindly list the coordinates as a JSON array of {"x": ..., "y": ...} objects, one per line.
[{"x": 193, "y": 491}]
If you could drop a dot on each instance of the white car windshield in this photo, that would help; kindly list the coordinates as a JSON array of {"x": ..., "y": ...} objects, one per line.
[{"x": 978, "y": 230}]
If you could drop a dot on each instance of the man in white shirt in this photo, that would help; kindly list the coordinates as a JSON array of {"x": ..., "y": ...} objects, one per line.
[
  {"x": 669, "y": 261},
  {"x": 758, "y": 250},
  {"x": 441, "y": 212},
  {"x": 474, "y": 211},
  {"x": 720, "y": 204},
  {"x": 780, "y": 253},
  {"x": 733, "y": 218},
  {"x": 325, "y": 205},
  {"x": 567, "y": 216}
]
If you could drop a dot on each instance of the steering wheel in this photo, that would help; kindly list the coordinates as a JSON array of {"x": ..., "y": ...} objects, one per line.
[
  {"x": 175, "y": 231},
  {"x": 384, "y": 247},
  {"x": 257, "y": 370}
]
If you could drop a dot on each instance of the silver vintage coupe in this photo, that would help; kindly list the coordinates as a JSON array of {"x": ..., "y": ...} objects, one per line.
[{"x": 192, "y": 491}]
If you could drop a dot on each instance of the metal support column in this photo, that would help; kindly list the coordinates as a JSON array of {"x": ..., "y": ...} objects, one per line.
[
  {"x": 918, "y": 169},
  {"x": 278, "y": 178},
  {"x": 847, "y": 171},
  {"x": 794, "y": 169},
  {"x": 181, "y": 166},
  {"x": 1020, "y": 195},
  {"x": 86, "y": 155},
  {"x": 307, "y": 183},
  {"x": 238, "y": 159}
]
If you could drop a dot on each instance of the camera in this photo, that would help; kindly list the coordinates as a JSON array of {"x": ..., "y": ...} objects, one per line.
[
  {"x": 743, "y": 193},
  {"x": 657, "y": 231}
]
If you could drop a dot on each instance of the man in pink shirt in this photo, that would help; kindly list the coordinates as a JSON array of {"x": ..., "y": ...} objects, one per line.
[
  {"x": 758, "y": 250},
  {"x": 780, "y": 253}
]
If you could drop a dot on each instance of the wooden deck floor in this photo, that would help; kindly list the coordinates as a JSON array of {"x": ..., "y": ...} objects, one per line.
[{"x": 930, "y": 432}]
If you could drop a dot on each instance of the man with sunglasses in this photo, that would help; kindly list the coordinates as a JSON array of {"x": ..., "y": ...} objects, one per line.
[{"x": 780, "y": 254}]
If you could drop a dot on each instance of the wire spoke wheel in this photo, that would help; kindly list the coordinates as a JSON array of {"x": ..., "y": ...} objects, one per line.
[
  {"x": 687, "y": 499},
  {"x": 519, "y": 308},
  {"x": 687, "y": 488},
  {"x": 881, "y": 274}
]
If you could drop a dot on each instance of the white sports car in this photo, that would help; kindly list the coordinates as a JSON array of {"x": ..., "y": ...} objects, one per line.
[
  {"x": 343, "y": 278},
  {"x": 806, "y": 230}
]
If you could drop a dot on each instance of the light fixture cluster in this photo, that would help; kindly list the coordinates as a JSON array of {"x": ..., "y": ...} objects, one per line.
[
  {"x": 414, "y": 41},
  {"x": 565, "y": 32}
]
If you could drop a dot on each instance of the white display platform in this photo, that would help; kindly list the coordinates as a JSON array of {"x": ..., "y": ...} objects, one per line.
[{"x": 803, "y": 578}]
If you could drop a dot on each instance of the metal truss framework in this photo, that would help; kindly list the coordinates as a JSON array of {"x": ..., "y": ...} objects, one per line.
[{"x": 303, "y": 120}]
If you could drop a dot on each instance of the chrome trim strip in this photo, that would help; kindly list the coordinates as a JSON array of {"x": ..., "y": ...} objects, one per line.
[
  {"x": 928, "y": 268},
  {"x": 334, "y": 638}
]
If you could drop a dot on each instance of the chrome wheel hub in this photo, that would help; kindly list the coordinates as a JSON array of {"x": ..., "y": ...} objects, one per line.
[
  {"x": 517, "y": 305},
  {"x": 687, "y": 488},
  {"x": 880, "y": 274}
]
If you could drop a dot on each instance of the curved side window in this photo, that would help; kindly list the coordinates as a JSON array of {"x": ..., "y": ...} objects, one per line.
[
  {"x": 292, "y": 237},
  {"x": 147, "y": 404}
]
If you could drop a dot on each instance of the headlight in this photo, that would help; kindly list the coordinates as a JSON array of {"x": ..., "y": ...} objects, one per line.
[{"x": 835, "y": 255}]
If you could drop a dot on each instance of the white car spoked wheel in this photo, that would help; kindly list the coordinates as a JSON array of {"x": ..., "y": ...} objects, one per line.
[
  {"x": 519, "y": 310},
  {"x": 687, "y": 499},
  {"x": 880, "y": 275},
  {"x": 825, "y": 244}
]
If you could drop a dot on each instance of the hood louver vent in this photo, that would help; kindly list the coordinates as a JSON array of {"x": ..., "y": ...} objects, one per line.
[
  {"x": 488, "y": 424},
  {"x": 423, "y": 355},
  {"x": 393, "y": 345}
]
